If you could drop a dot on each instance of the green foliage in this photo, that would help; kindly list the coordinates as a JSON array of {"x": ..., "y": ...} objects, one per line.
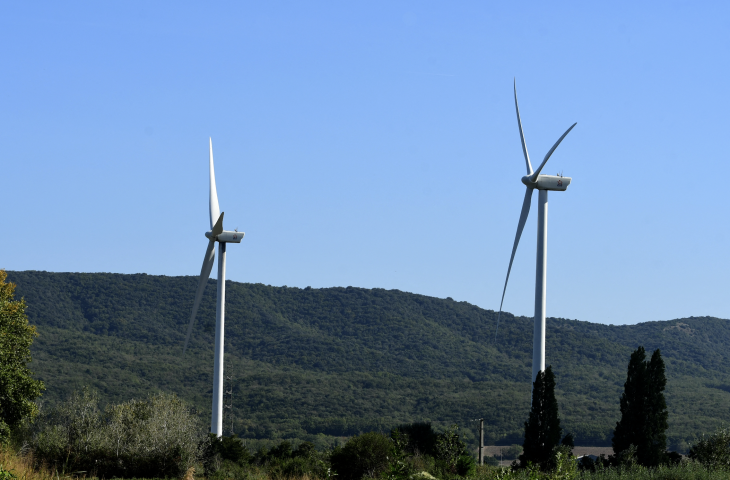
[
  {"x": 466, "y": 465},
  {"x": 368, "y": 455},
  {"x": 400, "y": 468},
  {"x": 449, "y": 452},
  {"x": 512, "y": 452},
  {"x": 320, "y": 364},
  {"x": 224, "y": 449},
  {"x": 683, "y": 471},
  {"x": 7, "y": 474},
  {"x": 284, "y": 462},
  {"x": 713, "y": 450},
  {"x": 153, "y": 437},
  {"x": 421, "y": 438},
  {"x": 18, "y": 388},
  {"x": 542, "y": 429},
  {"x": 562, "y": 463},
  {"x": 644, "y": 414}
]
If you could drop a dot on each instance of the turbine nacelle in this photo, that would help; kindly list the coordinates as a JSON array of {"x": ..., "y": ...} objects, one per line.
[
  {"x": 225, "y": 236},
  {"x": 547, "y": 182}
]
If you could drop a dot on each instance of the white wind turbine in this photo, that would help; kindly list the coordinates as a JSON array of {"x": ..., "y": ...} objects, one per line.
[
  {"x": 543, "y": 183},
  {"x": 215, "y": 234}
]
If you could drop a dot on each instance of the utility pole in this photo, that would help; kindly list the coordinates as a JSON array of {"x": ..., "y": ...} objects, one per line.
[{"x": 481, "y": 439}]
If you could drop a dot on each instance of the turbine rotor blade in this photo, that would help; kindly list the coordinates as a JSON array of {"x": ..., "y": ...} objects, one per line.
[
  {"x": 520, "y": 226},
  {"x": 218, "y": 227},
  {"x": 214, "y": 208},
  {"x": 533, "y": 179},
  {"x": 204, "y": 275},
  {"x": 522, "y": 135}
]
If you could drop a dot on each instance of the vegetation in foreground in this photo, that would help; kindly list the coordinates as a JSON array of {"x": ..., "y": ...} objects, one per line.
[
  {"x": 160, "y": 438},
  {"x": 231, "y": 461}
]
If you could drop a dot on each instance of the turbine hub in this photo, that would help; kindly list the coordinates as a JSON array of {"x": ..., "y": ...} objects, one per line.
[{"x": 526, "y": 180}]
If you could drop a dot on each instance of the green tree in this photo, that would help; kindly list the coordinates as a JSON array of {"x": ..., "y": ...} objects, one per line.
[
  {"x": 643, "y": 422},
  {"x": 155, "y": 437},
  {"x": 18, "y": 388},
  {"x": 368, "y": 454},
  {"x": 713, "y": 450},
  {"x": 542, "y": 429},
  {"x": 452, "y": 453}
]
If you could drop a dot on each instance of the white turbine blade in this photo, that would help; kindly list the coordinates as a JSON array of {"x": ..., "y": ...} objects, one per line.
[
  {"x": 218, "y": 227},
  {"x": 520, "y": 226},
  {"x": 204, "y": 275},
  {"x": 522, "y": 135},
  {"x": 215, "y": 211},
  {"x": 537, "y": 172}
]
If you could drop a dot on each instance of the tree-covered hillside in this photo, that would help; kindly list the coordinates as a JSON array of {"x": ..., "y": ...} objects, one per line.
[{"x": 338, "y": 361}]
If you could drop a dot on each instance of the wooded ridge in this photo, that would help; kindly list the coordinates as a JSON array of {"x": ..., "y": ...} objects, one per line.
[{"x": 313, "y": 364}]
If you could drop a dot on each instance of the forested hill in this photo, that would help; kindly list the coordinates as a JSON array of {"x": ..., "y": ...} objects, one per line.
[{"x": 336, "y": 361}]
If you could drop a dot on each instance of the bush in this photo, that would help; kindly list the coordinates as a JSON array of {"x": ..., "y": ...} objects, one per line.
[
  {"x": 450, "y": 451},
  {"x": 364, "y": 455},
  {"x": 421, "y": 438},
  {"x": 155, "y": 437},
  {"x": 562, "y": 463},
  {"x": 713, "y": 450},
  {"x": 466, "y": 466},
  {"x": 221, "y": 449},
  {"x": 491, "y": 461},
  {"x": 282, "y": 461},
  {"x": 512, "y": 452}
]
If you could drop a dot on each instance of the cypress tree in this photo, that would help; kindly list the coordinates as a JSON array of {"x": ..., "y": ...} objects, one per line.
[
  {"x": 644, "y": 415},
  {"x": 628, "y": 429},
  {"x": 542, "y": 429},
  {"x": 657, "y": 415}
]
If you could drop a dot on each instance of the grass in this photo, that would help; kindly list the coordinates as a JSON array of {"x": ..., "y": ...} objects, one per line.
[
  {"x": 21, "y": 467},
  {"x": 684, "y": 471}
]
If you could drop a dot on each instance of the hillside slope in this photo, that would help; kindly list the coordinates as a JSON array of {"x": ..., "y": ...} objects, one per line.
[{"x": 337, "y": 361}]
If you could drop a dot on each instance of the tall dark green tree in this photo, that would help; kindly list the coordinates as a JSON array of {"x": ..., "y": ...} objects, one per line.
[
  {"x": 644, "y": 414},
  {"x": 18, "y": 388},
  {"x": 542, "y": 429}
]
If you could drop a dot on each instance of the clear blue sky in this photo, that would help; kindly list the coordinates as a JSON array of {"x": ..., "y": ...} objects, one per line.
[{"x": 374, "y": 144}]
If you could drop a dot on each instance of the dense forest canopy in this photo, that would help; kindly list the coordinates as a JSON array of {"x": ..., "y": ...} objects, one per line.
[{"x": 307, "y": 363}]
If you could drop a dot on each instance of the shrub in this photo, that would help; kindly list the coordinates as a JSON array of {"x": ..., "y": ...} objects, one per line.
[
  {"x": 512, "y": 452},
  {"x": 222, "y": 449},
  {"x": 153, "y": 437},
  {"x": 466, "y": 466},
  {"x": 421, "y": 438},
  {"x": 450, "y": 450},
  {"x": 713, "y": 450},
  {"x": 364, "y": 455},
  {"x": 562, "y": 463}
]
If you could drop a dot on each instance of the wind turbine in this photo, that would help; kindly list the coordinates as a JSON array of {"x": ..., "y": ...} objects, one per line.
[
  {"x": 543, "y": 183},
  {"x": 215, "y": 234}
]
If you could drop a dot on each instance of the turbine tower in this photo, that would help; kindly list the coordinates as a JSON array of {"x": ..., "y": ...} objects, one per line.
[
  {"x": 215, "y": 234},
  {"x": 543, "y": 184}
]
